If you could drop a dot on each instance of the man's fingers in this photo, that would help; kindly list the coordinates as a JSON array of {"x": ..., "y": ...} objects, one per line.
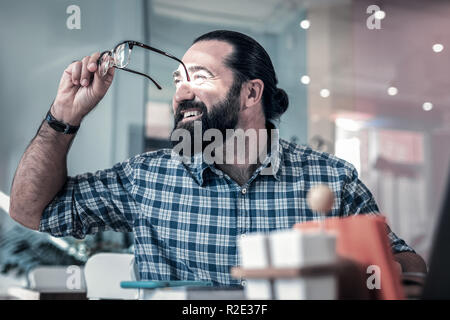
[
  {"x": 85, "y": 74},
  {"x": 102, "y": 83},
  {"x": 92, "y": 64},
  {"x": 76, "y": 72},
  {"x": 111, "y": 71}
]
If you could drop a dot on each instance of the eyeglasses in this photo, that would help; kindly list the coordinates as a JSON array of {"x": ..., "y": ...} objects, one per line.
[{"x": 119, "y": 58}]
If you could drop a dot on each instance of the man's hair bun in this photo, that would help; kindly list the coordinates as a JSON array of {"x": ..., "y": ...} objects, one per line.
[{"x": 280, "y": 102}]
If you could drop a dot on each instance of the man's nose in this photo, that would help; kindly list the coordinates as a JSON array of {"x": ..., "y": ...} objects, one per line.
[{"x": 184, "y": 92}]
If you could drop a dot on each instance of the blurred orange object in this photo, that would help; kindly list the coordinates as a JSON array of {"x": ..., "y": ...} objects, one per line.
[{"x": 363, "y": 238}]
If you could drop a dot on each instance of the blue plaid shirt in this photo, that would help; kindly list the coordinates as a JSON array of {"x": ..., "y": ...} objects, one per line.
[{"x": 187, "y": 218}]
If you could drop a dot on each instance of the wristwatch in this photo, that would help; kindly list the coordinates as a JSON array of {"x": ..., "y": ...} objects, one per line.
[{"x": 60, "y": 126}]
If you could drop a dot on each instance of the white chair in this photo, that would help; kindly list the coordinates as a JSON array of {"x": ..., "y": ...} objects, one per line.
[
  {"x": 105, "y": 271},
  {"x": 58, "y": 278}
]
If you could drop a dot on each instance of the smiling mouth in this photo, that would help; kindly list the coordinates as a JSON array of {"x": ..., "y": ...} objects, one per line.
[{"x": 191, "y": 114}]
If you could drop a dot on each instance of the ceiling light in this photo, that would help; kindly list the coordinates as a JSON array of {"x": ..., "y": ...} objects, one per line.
[
  {"x": 392, "y": 91},
  {"x": 305, "y": 79},
  {"x": 380, "y": 15},
  {"x": 305, "y": 24},
  {"x": 427, "y": 106},
  {"x": 437, "y": 47},
  {"x": 324, "y": 93}
]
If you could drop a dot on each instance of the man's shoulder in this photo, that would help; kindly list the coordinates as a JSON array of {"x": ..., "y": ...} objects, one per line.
[
  {"x": 153, "y": 159},
  {"x": 303, "y": 155}
]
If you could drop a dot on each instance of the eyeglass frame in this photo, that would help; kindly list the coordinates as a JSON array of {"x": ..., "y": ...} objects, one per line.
[{"x": 131, "y": 44}]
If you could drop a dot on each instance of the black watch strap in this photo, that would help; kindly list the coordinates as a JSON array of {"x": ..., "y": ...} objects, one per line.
[{"x": 60, "y": 126}]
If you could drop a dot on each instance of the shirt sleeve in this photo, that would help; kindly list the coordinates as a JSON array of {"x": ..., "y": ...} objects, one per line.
[
  {"x": 92, "y": 202},
  {"x": 357, "y": 199}
]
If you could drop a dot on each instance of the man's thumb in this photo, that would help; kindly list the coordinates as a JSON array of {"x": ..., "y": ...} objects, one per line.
[{"x": 101, "y": 84}]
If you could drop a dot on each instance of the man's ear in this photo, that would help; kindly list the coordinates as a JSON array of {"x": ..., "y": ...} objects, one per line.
[{"x": 253, "y": 91}]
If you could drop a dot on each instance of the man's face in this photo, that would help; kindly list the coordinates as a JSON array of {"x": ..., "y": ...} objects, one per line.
[{"x": 209, "y": 96}]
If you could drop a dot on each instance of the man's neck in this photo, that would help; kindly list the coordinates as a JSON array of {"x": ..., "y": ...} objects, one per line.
[{"x": 254, "y": 151}]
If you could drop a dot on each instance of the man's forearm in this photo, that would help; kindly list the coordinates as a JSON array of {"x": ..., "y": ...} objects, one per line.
[{"x": 41, "y": 173}]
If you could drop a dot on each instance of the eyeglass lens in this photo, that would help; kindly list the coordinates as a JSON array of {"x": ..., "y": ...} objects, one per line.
[{"x": 120, "y": 57}]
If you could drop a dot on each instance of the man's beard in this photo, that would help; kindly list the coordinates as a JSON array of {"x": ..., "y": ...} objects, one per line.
[{"x": 222, "y": 116}]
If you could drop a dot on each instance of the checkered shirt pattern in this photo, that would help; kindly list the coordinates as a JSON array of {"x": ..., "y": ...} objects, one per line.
[{"x": 187, "y": 218}]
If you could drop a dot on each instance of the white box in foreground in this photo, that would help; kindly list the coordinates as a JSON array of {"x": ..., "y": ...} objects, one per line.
[
  {"x": 294, "y": 248},
  {"x": 254, "y": 252}
]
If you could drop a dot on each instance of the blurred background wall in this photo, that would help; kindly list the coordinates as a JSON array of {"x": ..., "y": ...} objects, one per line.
[{"x": 37, "y": 47}]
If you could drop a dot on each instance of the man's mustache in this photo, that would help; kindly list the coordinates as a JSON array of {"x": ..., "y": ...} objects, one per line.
[{"x": 186, "y": 105}]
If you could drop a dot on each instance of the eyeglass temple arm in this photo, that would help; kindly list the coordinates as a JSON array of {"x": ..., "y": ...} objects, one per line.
[
  {"x": 142, "y": 45},
  {"x": 142, "y": 74}
]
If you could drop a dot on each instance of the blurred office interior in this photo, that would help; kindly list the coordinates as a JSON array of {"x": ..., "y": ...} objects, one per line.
[{"x": 377, "y": 97}]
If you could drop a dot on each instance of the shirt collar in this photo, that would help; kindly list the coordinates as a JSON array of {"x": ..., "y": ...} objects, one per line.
[{"x": 201, "y": 170}]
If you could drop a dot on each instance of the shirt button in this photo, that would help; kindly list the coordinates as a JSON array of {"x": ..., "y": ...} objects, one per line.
[
  {"x": 244, "y": 190},
  {"x": 243, "y": 283}
]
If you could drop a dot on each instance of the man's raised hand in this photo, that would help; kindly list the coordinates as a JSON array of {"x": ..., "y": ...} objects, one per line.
[{"x": 80, "y": 89}]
